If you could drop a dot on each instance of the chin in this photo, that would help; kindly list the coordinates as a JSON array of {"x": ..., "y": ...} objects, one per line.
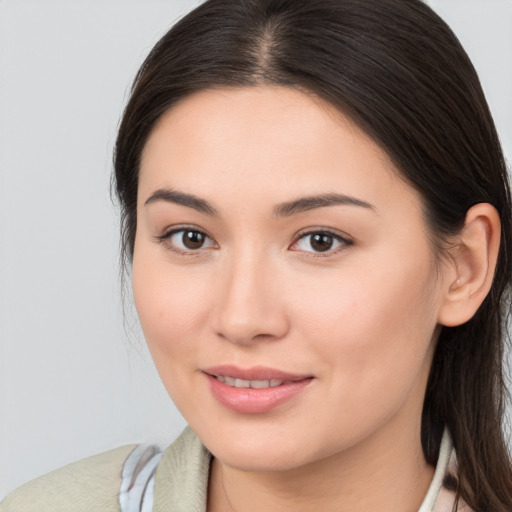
[
  {"x": 264, "y": 458},
  {"x": 269, "y": 447}
]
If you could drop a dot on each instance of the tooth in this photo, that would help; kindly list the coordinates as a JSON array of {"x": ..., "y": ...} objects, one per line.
[
  {"x": 259, "y": 384},
  {"x": 241, "y": 383}
]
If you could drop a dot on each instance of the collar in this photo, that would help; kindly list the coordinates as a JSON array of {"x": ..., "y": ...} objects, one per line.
[{"x": 177, "y": 480}]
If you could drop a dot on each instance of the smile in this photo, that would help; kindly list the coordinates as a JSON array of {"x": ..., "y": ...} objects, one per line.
[
  {"x": 255, "y": 390},
  {"x": 255, "y": 384}
]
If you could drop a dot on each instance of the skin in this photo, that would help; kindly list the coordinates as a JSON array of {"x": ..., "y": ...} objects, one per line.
[{"x": 361, "y": 318}]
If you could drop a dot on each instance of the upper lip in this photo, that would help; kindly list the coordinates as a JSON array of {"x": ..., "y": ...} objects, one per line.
[{"x": 253, "y": 373}]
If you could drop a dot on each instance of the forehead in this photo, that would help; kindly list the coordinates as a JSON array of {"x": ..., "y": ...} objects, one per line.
[{"x": 267, "y": 142}]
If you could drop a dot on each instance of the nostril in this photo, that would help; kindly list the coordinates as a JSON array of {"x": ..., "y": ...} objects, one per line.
[
  {"x": 248, "y": 311},
  {"x": 246, "y": 334}
]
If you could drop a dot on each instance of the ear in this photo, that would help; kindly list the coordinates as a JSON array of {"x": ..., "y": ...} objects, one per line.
[{"x": 471, "y": 269}]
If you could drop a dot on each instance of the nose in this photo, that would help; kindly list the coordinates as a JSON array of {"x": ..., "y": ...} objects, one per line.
[{"x": 250, "y": 306}]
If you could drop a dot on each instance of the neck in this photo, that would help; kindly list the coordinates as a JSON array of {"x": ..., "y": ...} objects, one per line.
[{"x": 389, "y": 476}]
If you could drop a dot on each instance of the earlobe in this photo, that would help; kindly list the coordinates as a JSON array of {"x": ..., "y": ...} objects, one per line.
[{"x": 473, "y": 262}]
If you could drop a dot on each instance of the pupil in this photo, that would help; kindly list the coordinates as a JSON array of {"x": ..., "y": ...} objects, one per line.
[
  {"x": 321, "y": 242},
  {"x": 193, "y": 239}
]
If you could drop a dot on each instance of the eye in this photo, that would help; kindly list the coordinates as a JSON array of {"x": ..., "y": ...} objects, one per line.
[
  {"x": 320, "y": 242},
  {"x": 186, "y": 240}
]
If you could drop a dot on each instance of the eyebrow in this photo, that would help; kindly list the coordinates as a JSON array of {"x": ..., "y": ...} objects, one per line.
[
  {"x": 286, "y": 209},
  {"x": 304, "y": 204},
  {"x": 173, "y": 196}
]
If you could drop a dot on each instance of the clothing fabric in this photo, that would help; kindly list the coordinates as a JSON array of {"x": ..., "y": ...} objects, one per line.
[
  {"x": 182, "y": 478},
  {"x": 89, "y": 485},
  {"x": 140, "y": 478}
]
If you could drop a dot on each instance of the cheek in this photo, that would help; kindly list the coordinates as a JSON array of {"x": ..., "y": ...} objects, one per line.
[
  {"x": 363, "y": 302},
  {"x": 170, "y": 301},
  {"x": 375, "y": 327},
  {"x": 171, "y": 305}
]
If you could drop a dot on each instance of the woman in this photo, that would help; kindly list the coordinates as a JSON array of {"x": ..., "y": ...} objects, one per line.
[{"x": 317, "y": 218}]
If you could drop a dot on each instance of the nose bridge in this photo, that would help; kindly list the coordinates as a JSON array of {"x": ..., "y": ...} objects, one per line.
[{"x": 248, "y": 305}]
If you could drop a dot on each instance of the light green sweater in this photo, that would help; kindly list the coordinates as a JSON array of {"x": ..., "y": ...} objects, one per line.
[{"x": 93, "y": 484}]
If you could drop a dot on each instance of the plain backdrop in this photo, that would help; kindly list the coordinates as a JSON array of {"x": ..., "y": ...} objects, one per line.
[{"x": 75, "y": 379}]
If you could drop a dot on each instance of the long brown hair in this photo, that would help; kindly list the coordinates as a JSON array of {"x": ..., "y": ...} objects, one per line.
[{"x": 399, "y": 72}]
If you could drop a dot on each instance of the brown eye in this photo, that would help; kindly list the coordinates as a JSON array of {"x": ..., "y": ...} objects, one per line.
[
  {"x": 193, "y": 239},
  {"x": 317, "y": 242},
  {"x": 186, "y": 240},
  {"x": 322, "y": 242}
]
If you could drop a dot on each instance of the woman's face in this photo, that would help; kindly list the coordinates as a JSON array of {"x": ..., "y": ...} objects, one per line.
[{"x": 277, "y": 248}]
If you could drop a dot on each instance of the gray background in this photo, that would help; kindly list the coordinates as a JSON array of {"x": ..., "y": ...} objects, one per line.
[{"x": 73, "y": 382}]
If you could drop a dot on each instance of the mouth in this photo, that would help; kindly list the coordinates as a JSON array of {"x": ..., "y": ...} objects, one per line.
[
  {"x": 254, "y": 384},
  {"x": 254, "y": 390}
]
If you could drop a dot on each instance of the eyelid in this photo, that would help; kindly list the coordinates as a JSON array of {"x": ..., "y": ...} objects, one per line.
[
  {"x": 165, "y": 238},
  {"x": 345, "y": 240}
]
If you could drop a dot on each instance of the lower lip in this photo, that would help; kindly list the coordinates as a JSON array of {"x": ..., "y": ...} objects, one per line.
[{"x": 252, "y": 400}]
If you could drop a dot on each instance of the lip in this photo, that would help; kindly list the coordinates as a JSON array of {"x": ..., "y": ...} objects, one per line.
[
  {"x": 253, "y": 400},
  {"x": 253, "y": 373}
]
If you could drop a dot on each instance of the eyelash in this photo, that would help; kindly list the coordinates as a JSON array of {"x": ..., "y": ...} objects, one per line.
[
  {"x": 166, "y": 240},
  {"x": 344, "y": 241}
]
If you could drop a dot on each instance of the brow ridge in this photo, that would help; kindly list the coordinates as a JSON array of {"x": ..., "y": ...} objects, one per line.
[
  {"x": 285, "y": 209},
  {"x": 304, "y": 204},
  {"x": 184, "y": 199}
]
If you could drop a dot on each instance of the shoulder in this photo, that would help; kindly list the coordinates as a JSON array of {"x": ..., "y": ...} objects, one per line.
[
  {"x": 131, "y": 478},
  {"x": 89, "y": 484}
]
